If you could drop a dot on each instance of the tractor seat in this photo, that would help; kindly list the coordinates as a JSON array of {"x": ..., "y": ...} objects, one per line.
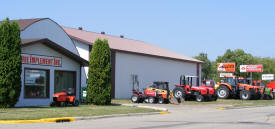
[{"x": 70, "y": 91}]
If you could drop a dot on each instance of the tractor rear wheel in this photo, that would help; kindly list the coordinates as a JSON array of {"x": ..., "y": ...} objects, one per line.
[
  {"x": 179, "y": 92},
  {"x": 245, "y": 95},
  {"x": 151, "y": 99},
  {"x": 223, "y": 92},
  {"x": 135, "y": 98},
  {"x": 199, "y": 98}
]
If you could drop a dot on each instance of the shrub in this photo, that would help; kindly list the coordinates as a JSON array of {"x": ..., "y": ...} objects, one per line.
[{"x": 99, "y": 75}]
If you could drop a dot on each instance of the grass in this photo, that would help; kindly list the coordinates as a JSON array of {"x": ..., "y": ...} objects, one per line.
[{"x": 32, "y": 113}]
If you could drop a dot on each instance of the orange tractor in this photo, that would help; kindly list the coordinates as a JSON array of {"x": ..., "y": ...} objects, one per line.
[
  {"x": 238, "y": 87},
  {"x": 64, "y": 98}
]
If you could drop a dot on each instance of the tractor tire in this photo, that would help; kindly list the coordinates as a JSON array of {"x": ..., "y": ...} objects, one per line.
[
  {"x": 245, "y": 95},
  {"x": 223, "y": 92},
  {"x": 160, "y": 100},
  {"x": 53, "y": 104},
  {"x": 179, "y": 92},
  {"x": 199, "y": 98},
  {"x": 135, "y": 98},
  {"x": 151, "y": 99},
  {"x": 76, "y": 102},
  {"x": 62, "y": 104}
]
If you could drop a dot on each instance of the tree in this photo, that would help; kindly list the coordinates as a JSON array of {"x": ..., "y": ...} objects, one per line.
[
  {"x": 10, "y": 63},
  {"x": 206, "y": 67},
  {"x": 239, "y": 57},
  {"x": 99, "y": 75}
]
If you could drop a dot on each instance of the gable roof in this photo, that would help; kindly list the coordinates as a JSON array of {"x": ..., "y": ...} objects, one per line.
[
  {"x": 55, "y": 46},
  {"x": 24, "y": 23},
  {"x": 126, "y": 45}
]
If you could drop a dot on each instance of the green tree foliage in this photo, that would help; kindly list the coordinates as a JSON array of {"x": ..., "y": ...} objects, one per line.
[
  {"x": 10, "y": 63},
  {"x": 99, "y": 76},
  {"x": 239, "y": 57},
  {"x": 206, "y": 67}
]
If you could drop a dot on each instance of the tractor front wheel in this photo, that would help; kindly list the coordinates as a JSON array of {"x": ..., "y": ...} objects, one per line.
[
  {"x": 223, "y": 92},
  {"x": 135, "y": 98},
  {"x": 151, "y": 99},
  {"x": 245, "y": 95},
  {"x": 76, "y": 102},
  {"x": 53, "y": 104},
  {"x": 160, "y": 100},
  {"x": 199, "y": 98},
  {"x": 179, "y": 92}
]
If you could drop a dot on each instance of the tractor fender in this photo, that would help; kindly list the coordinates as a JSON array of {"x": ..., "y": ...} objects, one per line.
[{"x": 226, "y": 85}]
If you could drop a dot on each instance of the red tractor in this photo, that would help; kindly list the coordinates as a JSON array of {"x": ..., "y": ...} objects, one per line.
[
  {"x": 158, "y": 92},
  {"x": 186, "y": 90},
  {"x": 64, "y": 98}
]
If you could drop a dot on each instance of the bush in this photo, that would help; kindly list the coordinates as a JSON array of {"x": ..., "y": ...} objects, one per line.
[
  {"x": 10, "y": 63},
  {"x": 99, "y": 76}
]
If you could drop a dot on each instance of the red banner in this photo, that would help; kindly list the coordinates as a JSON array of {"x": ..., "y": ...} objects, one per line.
[
  {"x": 41, "y": 60},
  {"x": 251, "y": 68}
]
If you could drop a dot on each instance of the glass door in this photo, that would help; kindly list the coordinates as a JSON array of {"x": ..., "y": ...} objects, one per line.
[{"x": 64, "y": 81}]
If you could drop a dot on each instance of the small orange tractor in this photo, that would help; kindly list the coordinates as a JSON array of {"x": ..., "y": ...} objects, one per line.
[
  {"x": 158, "y": 92},
  {"x": 64, "y": 98},
  {"x": 238, "y": 87}
]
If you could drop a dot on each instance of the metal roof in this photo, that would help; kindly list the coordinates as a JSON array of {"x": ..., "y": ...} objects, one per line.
[{"x": 126, "y": 45}]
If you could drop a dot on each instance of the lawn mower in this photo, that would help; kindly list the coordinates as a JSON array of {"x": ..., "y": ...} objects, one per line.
[
  {"x": 64, "y": 98},
  {"x": 186, "y": 90}
]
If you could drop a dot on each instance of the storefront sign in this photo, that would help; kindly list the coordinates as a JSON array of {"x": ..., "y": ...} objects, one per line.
[
  {"x": 226, "y": 74},
  {"x": 251, "y": 68},
  {"x": 41, "y": 60},
  {"x": 226, "y": 67},
  {"x": 267, "y": 76}
]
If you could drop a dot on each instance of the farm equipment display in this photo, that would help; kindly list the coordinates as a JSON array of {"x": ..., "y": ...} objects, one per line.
[
  {"x": 64, "y": 98},
  {"x": 186, "y": 90},
  {"x": 157, "y": 92},
  {"x": 238, "y": 87},
  {"x": 268, "y": 92}
]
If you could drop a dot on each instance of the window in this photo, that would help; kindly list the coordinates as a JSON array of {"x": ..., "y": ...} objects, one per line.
[
  {"x": 36, "y": 83},
  {"x": 64, "y": 81}
]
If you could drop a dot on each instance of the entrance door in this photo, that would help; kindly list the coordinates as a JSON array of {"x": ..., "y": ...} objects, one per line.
[{"x": 64, "y": 80}]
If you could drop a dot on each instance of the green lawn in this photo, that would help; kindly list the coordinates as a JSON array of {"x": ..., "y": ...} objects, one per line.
[{"x": 50, "y": 112}]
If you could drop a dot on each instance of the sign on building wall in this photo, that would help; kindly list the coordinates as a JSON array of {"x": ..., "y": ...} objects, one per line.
[
  {"x": 267, "y": 76},
  {"x": 41, "y": 60},
  {"x": 251, "y": 68},
  {"x": 226, "y": 67}
]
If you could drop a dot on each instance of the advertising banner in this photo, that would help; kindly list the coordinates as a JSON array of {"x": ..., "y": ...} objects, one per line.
[
  {"x": 251, "y": 68},
  {"x": 267, "y": 76},
  {"x": 226, "y": 67}
]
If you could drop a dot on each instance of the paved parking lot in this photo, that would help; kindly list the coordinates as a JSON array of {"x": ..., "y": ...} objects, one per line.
[{"x": 181, "y": 116}]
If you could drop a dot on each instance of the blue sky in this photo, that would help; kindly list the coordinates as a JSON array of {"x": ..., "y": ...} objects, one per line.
[{"x": 184, "y": 26}]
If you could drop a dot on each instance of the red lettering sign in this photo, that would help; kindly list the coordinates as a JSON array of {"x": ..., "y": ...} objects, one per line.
[
  {"x": 251, "y": 68},
  {"x": 41, "y": 60}
]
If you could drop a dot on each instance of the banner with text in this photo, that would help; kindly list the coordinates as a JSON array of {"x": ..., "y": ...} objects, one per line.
[
  {"x": 226, "y": 67},
  {"x": 41, "y": 60},
  {"x": 251, "y": 68}
]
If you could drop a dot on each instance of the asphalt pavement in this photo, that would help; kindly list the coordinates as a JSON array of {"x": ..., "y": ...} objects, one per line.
[{"x": 181, "y": 116}]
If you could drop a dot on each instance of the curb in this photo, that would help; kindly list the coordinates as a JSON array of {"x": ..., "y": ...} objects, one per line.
[
  {"x": 46, "y": 120},
  {"x": 150, "y": 107}
]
